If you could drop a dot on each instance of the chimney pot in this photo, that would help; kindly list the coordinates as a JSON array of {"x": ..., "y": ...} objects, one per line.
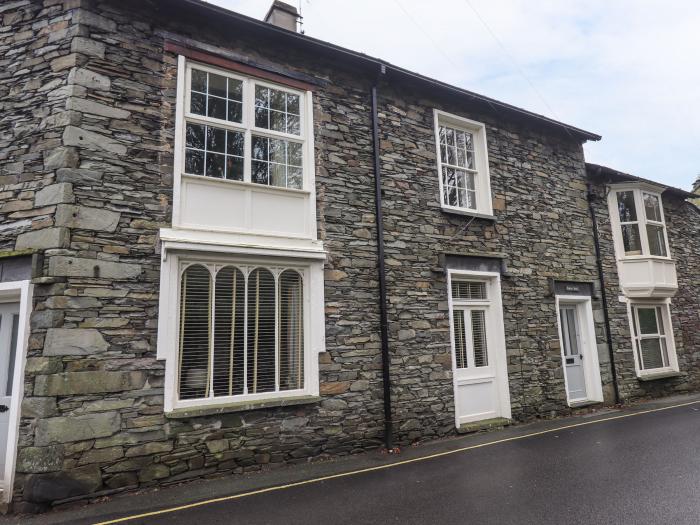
[{"x": 283, "y": 15}]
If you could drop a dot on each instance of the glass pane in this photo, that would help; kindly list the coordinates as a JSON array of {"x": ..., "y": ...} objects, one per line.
[
  {"x": 460, "y": 339},
  {"x": 443, "y": 135},
  {"x": 198, "y": 103},
  {"x": 471, "y": 200},
  {"x": 278, "y": 175},
  {"x": 647, "y": 321},
  {"x": 235, "y": 111},
  {"x": 216, "y": 139},
  {"x": 234, "y": 168},
  {"x": 291, "y": 331},
  {"x": 234, "y": 144},
  {"x": 293, "y": 125},
  {"x": 651, "y": 353},
  {"x": 194, "y": 136},
  {"x": 660, "y": 317},
  {"x": 570, "y": 331},
  {"x": 294, "y": 153},
  {"x": 452, "y": 196},
  {"x": 195, "y": 311},
  {"x": 278, "y": 149},
  {"x": 626, "y": 206},
  {"x": 470, "y": 181},
  {"x": 260, "y": 148},
  {"x": 278, "y": 100},
  {"x": 215, "y": 165},
  {"x": 277, "y": 121},
  {"x": 235, "y": 89},
  {"x": 194, "y": 162},
  {"x": 228, "y": 332},
  {"x": 262, "y": 96},
  {"x": 450, "y": 178},
  {"x": 463, "y": 198},
  {"x": 199, "y": 81},
  {"x": 631, "y": 240},
  {"x": 479, "y": 338},
  {"x": 470, "y": 160},
  {"x": 261, "y": 115},
  {"x": 259, "y": 172},
  {"x": 657, "y": 240},
  {"x": 13, "y": 353},
  {"x": 651, "y": 207},
  {"x": 261, "y": 331},
  {"x": 217, "y": 85},
  {"x": 293, "y": 104},
  {"x": 216, "y": 108},
  {"x": 295, "y": 178}
]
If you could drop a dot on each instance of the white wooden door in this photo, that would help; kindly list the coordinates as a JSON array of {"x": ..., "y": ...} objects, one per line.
[
  {"x": 476, "y": 381},
  {"x": 573, "y": 352},
  {"x": 9, "y": 324}
]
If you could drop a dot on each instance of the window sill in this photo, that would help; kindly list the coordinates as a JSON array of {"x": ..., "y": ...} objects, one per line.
[
  {"x": 468, "y": 213},
  {"x": 240, "y": 406},
  {"x": 651, "y": 376}
]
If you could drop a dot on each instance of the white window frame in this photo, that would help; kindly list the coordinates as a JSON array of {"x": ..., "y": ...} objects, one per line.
[
  {"x": 482, "y": 179},
  {"x": 247, "y": 126},
  {"x": 638, "y": 189},
  {"x": 169, "y": 334},
  {"x": 665, "y": 305}
]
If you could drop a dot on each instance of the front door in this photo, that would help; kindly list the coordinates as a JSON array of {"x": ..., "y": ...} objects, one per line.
[
  {"x": 480, "y": 375},
  {"x": 9, "y": 324},
  {"x": 573, "y": 352}
]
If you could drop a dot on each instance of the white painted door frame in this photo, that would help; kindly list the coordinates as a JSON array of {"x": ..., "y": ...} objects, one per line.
[
  {"x": 11, "y": 292},
  {"x": 495, "y": 337},
  {"x": 589, "y": 347}
]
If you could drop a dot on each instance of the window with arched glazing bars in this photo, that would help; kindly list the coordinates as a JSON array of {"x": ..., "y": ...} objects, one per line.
[{"x": 242, "y": 331}]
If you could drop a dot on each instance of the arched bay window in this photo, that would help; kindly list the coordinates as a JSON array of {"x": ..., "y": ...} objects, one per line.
[{"x": 241, "y": 331}]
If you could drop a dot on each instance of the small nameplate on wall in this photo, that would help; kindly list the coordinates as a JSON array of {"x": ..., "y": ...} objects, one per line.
[{"x": 572, "y": 288}]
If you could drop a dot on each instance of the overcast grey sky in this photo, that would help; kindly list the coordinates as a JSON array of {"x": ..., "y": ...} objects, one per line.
[{"x": 626, "y": 69}]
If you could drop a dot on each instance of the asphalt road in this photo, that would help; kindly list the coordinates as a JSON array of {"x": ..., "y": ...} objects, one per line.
[{"x": 643, "y": 469}]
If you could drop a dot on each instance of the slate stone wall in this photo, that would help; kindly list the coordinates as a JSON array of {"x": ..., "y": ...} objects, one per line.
[
  {"x": 100, "y": 186},
  {"x": 683, "y": 229}
]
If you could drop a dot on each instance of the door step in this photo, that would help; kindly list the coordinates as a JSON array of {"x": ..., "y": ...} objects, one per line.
[{"x": 485, "y": 424}]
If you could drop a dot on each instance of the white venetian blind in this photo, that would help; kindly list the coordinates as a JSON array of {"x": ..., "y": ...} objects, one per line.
[
  {"x": 291, "y": 363},
  {"x": 469, "y": 290},
  {"x": 460, "y": 339},
  {"x": 479, "y": 338},
  {"x": 195, "y": 332},
  {"x": 241, "y": 332}
]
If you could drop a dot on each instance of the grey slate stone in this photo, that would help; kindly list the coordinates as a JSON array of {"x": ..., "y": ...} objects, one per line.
[
  {"x": 87, "y": 46},
  {"x": 91, "y": 382},
  {"x": 43, "y": 239},
  {"x": 61, "y": 158},
  {"x": 40, "y": 459},
  {"x": 44, "y": 488},
  {"x": 75, "y": 136},
  {"x": 60, "y": 193},
  {"x": 82, "y": 176},
  {"x": 74, "y": 341},
  {"x": 89, "y": 79},
  {"x": 76, "y": 428},
  {"x": 95, "y": 108},
  {"x": 60, "y": 266},
  {"x": 86, "y": 218}
]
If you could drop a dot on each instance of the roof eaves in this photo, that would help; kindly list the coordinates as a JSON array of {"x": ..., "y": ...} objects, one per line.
[
  {"x": 597, "y": 170},
  {"x": 378, "y": 63}
]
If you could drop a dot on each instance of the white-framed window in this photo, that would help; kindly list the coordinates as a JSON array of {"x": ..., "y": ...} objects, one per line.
[
  {"x": 470, "y": 303},
  {"x": 652, "y": 336},
  {"x": 243, "y": 129},
  {"x": 462, "y": 162},
  {"x": 241, "y": 331},
  {"x": 638, "y": 219}
]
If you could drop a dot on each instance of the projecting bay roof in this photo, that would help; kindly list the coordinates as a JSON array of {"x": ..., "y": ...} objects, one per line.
[
  {"x": 603, "y": 172},
  {"x": 396, "y": 73}
]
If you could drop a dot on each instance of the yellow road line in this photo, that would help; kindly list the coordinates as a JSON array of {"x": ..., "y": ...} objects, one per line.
[{"x": 385, "y": 466}]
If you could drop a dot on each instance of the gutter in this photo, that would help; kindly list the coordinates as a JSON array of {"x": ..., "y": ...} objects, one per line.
[
  {"x": 381, "y": 267},
  {"x": 603, "y": 294}
]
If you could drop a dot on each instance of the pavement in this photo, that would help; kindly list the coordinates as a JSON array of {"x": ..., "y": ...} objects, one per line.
[{"x": 638, "y": 465}]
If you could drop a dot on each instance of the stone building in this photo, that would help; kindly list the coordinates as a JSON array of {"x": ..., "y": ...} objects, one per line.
[{"x": 232, "y": 249}]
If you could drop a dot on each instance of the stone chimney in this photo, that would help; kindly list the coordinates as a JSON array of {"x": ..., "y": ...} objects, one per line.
[{"x": 283, "y": 15}]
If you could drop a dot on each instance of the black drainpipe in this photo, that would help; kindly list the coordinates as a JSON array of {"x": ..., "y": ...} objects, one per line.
[
  {"x": 383, "y": 320},
  {"x": 603, "y": 295}
]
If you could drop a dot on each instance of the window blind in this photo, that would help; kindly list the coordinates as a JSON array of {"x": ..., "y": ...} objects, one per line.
[
  {"x": 469, "y": 290},
  {"x": 479, "y": 338},
  {"x": 241, "y": 331}
]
